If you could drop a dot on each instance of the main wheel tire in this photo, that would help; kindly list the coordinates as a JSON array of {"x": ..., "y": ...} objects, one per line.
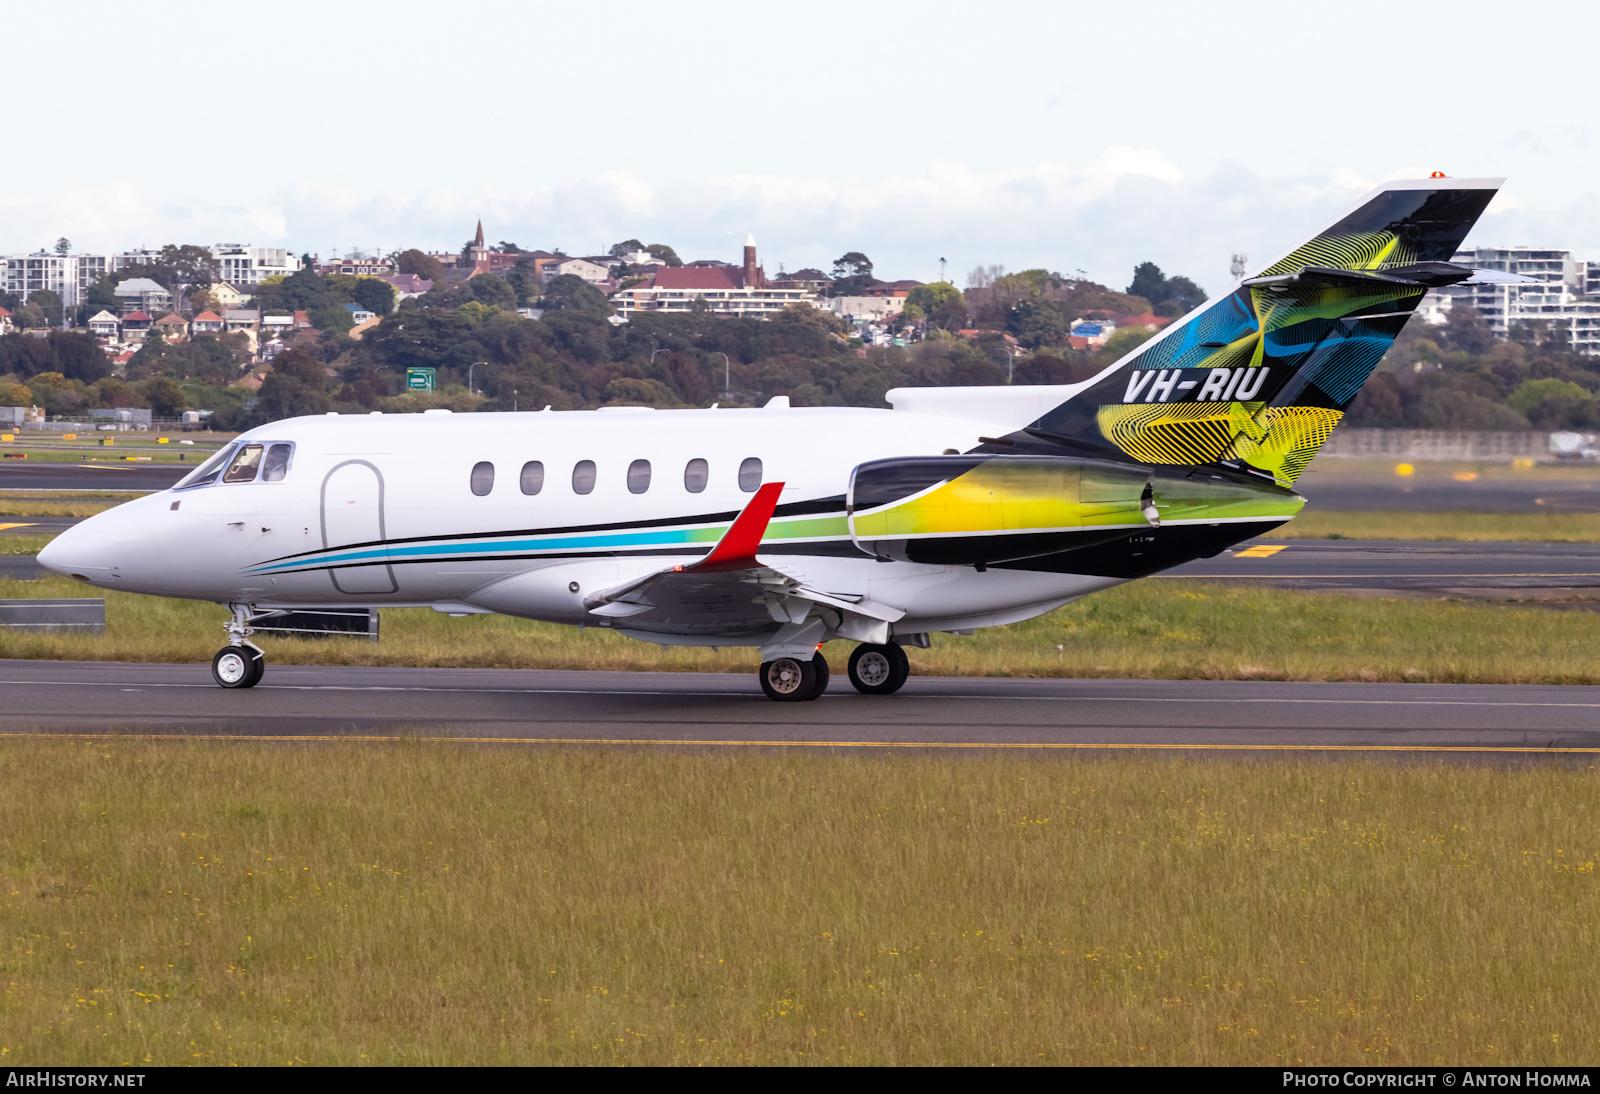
[
  {"x": 237, "y": 667},
  {"x": 788, "y": 680},
  {"x": 879, "y": 670},
  {"x": 819, "y": 665}
]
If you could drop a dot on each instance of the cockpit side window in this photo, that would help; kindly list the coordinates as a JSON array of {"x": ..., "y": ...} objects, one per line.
[
  {"x": 244, "y": 465},
  {"x": 208, "y": 473},
  {"x": 276, "y": 466}
]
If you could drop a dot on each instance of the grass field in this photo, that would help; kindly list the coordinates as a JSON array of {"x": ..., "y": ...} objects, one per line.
[
  {"x": 21, "y": 543},
  {"x": 54, "y": 448},
  {"x": 205, "y": 903},
  {"x": 1315, "y": 523},
  {"x": 1149, "y": 629}
]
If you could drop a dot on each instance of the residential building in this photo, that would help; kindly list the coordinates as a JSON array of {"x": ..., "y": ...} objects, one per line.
[
  {"x": 813, "y": 281},
  {"x": 68, "y": 276},
  {"x": 5, "y": 321},
  {"x": 1565, "y": 295},
  {"x": 135, "y": 325},
  {"x": 863, "y": 308},
  {"x": 207, "y": 322},
  {"x": 586, "y": 269},
  {"x": 407, "y": 286},
  {"x": 360, "y": 314},
  {"x": 242, "y": 264},
  {"x": 141, "y": 294},
  {"x": 890, "y": 288},
  {"x": 172, "y": 326},
  {"x": 359, "y": 267},
  {"x": 722, "y": 289},
  {"x": 227, "y": 296},
  {"x": 241, "y": 319},
  {"x": 105, "y": 325}
]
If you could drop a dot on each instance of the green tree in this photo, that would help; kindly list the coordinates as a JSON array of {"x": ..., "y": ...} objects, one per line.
[
  {"x": 63, "y": 246},
  {"x": 934, "y": 297},
  {"x": 1530, "y": 393},
  {"x": 493, "y": 291},
  {"x": 416, "y": 262},
  {"x": 1148, "y": 282},
  {"x": 1124, "y": 339},
  {"x": 296, "y": 385},
  {"x": 627, "y": 246},
  {"x": 50, "y": 303},
  {"x": 569, "y": 293},
  {"x": 1037, "y": 322},
  {"x": 165, "y": 397},
  {"x": 852, "y": 264},
  {"x": 374, "y": 295},
  {"x": 665, "y": 254}
]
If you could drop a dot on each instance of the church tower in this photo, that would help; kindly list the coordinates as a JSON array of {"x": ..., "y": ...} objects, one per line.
[
  {"x": 480, "y": 252},
  {"x": 752, "y": 273}
]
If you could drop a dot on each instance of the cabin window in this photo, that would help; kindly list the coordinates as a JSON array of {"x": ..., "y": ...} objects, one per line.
[
  {"x": 695, "y": 475},
  {"x": 482, "y": 477},
  {"x": 276, "y": 466},
  {"x": 750, "y": 475},
  {"x": 532, "y": 478},
  {"x": 638, "y": 476},
  {"x": 209, "y": 472},
  {"x": 583, "y": 477},
  {"x": 244, "y": 465}
]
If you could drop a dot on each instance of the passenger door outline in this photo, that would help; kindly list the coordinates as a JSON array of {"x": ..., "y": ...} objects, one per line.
[{"x": 359, "y": 579}]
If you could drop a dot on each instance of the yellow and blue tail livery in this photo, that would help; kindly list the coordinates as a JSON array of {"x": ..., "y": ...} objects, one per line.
[{"x": 1259, "y": 377}]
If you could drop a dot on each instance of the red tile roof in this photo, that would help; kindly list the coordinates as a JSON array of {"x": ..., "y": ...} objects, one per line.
[
  {"x": 712, "y": 278},
  {"x": 208, "y": 317},
  {"x": 136, "y": 317}
]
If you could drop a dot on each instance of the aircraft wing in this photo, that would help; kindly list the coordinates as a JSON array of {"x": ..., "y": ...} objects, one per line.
[{"x": 730, "y": 592}]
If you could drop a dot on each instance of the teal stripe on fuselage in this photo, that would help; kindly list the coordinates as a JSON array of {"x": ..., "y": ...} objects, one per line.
[{"x": 430, "y": 552}]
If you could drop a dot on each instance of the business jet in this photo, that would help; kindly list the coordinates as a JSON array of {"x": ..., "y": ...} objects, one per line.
[{"x": 782, "y": 527}]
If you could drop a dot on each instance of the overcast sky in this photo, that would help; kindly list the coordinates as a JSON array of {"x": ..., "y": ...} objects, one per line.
[{"x": 1071, "y": 136}]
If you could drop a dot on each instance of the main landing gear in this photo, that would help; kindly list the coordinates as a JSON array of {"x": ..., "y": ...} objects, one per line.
[
  {"x": 792, "y": 680},
  {"x": 874, "y": 670},
  {"x": 239, "y": 664},
  {"x": 879, "y": 670}
]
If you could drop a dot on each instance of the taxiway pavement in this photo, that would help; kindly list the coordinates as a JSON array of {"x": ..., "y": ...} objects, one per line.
[{"x": 319, "y": 702}]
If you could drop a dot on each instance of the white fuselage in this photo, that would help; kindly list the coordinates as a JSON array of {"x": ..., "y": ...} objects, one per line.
[{"x": 394, "y": 496}]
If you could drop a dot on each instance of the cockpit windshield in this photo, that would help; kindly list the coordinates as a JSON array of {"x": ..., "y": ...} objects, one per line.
[{"x": 208, "y": 472}]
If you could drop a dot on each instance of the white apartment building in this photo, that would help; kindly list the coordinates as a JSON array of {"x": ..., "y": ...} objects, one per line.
[
  {"x": 1565, "y": 295},
  {"x": 68, "y": 276},
  {"x": 242, "y": 264}
]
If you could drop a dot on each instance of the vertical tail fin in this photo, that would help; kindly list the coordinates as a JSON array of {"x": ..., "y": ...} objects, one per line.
[{"x": 1263, "y": 374}]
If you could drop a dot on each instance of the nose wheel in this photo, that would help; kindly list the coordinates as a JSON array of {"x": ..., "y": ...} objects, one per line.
[
  {"x": 879, "y": 670},
  {"x": 793, "y": 680},
  {"x": 239, "y": 664},
  {"x": 238, "y": 667}
]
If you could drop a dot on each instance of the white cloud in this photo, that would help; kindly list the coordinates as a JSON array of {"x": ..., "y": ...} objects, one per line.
[{"x": 1103, "y": 215}]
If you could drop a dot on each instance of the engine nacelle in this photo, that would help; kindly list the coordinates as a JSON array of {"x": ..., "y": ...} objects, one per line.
[{"x": 971, "y": 509}]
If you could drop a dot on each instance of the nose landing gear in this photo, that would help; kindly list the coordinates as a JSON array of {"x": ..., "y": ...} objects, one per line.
[{"x": 241, "y": 663}]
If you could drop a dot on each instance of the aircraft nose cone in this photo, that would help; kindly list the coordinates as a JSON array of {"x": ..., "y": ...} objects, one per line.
[{"x": 80, "y": 552}]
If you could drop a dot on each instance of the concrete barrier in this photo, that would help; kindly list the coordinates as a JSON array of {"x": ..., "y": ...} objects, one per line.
[
  {"x": 52, "y": 615},
  {"x": 1436, "y": 444}
]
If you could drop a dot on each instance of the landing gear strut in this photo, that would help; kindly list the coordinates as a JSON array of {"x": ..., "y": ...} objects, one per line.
[
  {"x": 241, "y": 663},
  {"x": 793, "y": 680},
  {"x": 879, "y": 670}
]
